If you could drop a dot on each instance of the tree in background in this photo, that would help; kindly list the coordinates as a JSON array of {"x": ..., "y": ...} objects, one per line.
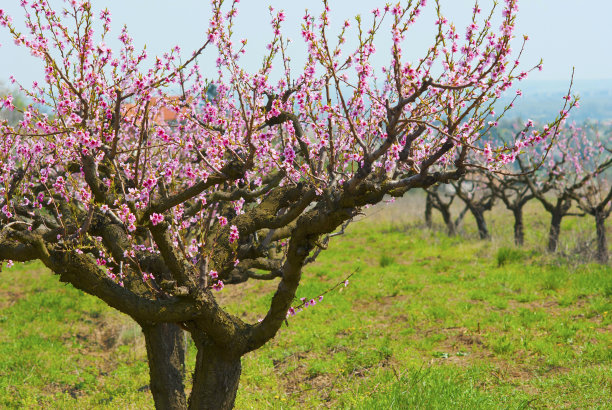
[
  {"x": 473, "y": 190},
  {"x": 511, "y": 186},
  {"x": 594, "y": 197},
  {"x": 441, "y": 197},
  {"x": 597, "y": 202},
  {"x": 154, "y": 218},
  {"x": 563, "y": 173},
  {"x": 514, "y": 192}
]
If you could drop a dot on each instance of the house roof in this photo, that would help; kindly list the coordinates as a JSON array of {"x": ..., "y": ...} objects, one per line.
[{"x": 168, "y": 112}]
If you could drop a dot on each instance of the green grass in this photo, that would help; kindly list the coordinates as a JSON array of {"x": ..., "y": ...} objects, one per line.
[
  {"x": 60, "y": 348},
  {"x": 427, "y": 321},
  {"x": 509, "y": 255}
]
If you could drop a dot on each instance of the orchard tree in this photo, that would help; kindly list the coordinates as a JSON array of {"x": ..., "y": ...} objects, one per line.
[
  {"x": 512, "y": 188},
  {"x": 441, "y": 198},
  {"x": 596, "y": 200},
  {"x": 474, "y": 191},
  {"x": 594, "y": 197},
  {"x": 563, "y": 174},
  {"x": 248, "y": 181},
  {"x": 514, "y": 192}
]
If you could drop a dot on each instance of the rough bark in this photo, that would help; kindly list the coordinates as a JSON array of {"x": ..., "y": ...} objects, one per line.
[
  {"x": 555, "y": 229},
  {"x": 519, "y": 230},
  {"x": 459, "y": 219},
  {"x": 450, "y": 226},
  {"x": 428, "y": 212},
  {"x": 166, "y": 353},
  {"x": 215, "y": 380},
  {"x": 448, "y": 221},
  {"x": 602, "y": 242},
  {"x": 483, "y": 231}
]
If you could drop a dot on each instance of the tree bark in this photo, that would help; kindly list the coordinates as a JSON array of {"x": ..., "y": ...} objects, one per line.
[
  {"x": 215, "y": 380},
  {"x": 483, "y": 232},
  {"x": 519, "y": 232},
  {"x": 166, "y": 353},
  {"x": 428, "y": 212},
  {"x": 448, "y": 220},
  {"x": 602, "y": 242},
  {"x": 555, "y": 229},
  {"x": 459, "y": 219}
]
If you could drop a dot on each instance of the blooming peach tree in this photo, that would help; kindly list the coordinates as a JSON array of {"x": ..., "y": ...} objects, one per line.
[
  {"x": 573, "y": 171},
  {"x": 153, "y": 201}
]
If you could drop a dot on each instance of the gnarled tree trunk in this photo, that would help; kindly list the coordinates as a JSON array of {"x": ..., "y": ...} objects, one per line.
[
  {"x": 519, "y": 232},
  {"x": 555, "y": 229},
  {"x": 448, "y": 220},
  {"x": 428, "y": 211},
  {"x": 478, "y": 213},
  {"x": 166, "y": 353},
  {"x": 602, "y": 242},
  {"x": 459, "y": 218},
  {"x": 215, "y": 380}
]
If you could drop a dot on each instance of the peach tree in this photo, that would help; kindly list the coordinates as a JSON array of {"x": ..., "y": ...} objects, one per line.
[
  {"x": 574, "y": 171},
  {"x": 151, "y": 185}
]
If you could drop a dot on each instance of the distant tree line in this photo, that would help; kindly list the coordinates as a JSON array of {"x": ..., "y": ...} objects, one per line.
[{"x": 571, "y": 179}]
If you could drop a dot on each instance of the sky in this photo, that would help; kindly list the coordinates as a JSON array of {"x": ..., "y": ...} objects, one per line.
[{"x": 564, "y": 33}]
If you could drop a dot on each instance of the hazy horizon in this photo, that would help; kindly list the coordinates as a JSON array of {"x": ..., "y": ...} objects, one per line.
[{"x": 560, "y": 32}]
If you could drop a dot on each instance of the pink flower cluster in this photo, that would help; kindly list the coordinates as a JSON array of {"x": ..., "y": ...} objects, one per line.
[
  {"x": 305, "y": 304},
  {"x": 234, "y": 235},
  {"x": 156, "y": 218},
  {"x": 218, "y": 286},
  {"x": 147, "y": 276}
]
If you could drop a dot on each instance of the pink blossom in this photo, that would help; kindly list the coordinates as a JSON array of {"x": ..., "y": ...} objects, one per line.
[
  {"x": 147, "y": 276},
  {"x": 218, "y": 286},
  {"x": 7, "y": 212},
  {"x": 156, "y": 218},
  {"x": 8, "y": 102},
  {"x": 234, "y": 235}
]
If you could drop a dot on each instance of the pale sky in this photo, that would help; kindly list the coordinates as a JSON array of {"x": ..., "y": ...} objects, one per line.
[{"x": 565, "y": 33}]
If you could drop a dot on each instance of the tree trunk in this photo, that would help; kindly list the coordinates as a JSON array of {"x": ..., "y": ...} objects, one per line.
[
  {"x": 480, "y": 222},
  {"x": 166, "y": 353},
  {"x": 448, "y": 220},
  {"x": 215, "y": 380},
  {"x": 602, "y": 242},
  {"x": 428, "y": 211},
  {"x": 555, "y": 229},
  {"x": 459, "y": 218},
  {"x": 519, "y": 233}
]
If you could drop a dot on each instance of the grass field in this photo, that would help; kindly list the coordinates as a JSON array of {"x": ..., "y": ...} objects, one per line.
[{"x": 427, "y": 321}]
